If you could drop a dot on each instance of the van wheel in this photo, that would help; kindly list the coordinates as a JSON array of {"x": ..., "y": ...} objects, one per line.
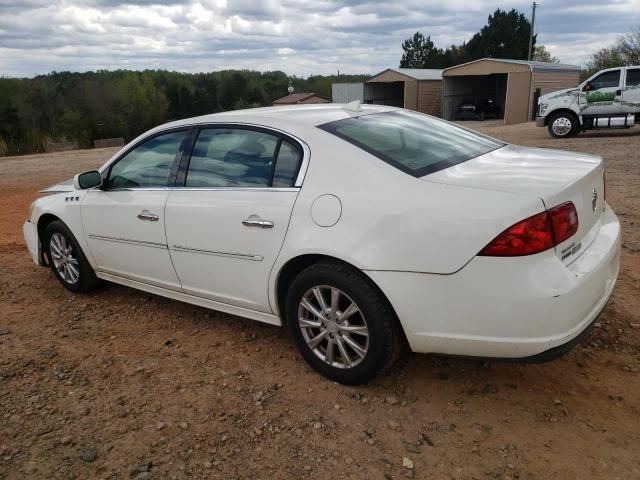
[
  {"x": 343, "y": 326},
  {"x": 563, "y": 125}
]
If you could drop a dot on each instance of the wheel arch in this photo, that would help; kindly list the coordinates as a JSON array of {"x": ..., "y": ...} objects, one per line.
[
  {"x": 297, "y": 264},
  {"x": 44, "y": 220},
  {"x": 555, "y": 112}
]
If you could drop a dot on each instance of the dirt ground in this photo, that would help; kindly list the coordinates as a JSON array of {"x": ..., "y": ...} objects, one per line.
[{"x": 123, "y": 384}]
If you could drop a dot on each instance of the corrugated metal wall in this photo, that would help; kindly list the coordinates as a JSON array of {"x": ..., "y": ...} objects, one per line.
[
  {"x": 347, "y": 92},
  {"x": 549, "y": 82},
  {"x": 516, "y": 108},
  {"x": 430, "y": 97}
]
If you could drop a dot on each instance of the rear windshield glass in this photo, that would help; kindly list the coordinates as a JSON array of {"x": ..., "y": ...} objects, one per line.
[{"x": 414, "y": 143}]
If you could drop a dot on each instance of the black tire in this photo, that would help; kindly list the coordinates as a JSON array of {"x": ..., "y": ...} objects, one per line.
[
  {"x": 386, "y": 341},
  {"x": 86, "y": 278},
  {"x": 569, "y": 122}
]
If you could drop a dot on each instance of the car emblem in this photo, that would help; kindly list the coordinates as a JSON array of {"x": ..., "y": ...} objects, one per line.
[{"x": 594, "y": 200}]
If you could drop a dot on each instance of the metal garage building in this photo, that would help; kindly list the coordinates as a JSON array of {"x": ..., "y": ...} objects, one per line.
[
  {"x": 414, "y": 88},
  {"x": 514, "y": 84}
]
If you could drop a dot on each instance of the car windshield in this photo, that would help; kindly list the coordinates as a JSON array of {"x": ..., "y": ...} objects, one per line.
[{"x": 414, "y": 143}]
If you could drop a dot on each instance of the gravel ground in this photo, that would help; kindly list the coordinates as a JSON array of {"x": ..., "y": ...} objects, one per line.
[{"x": 123, "y": 384}]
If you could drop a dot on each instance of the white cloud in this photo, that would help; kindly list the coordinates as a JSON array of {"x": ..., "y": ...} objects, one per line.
[{"x": 301, "y": 37}]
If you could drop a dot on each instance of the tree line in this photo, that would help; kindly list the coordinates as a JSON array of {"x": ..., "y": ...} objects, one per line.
[
  {"x": 506, "y": 35},
  {"x": 83, "y": 107}
]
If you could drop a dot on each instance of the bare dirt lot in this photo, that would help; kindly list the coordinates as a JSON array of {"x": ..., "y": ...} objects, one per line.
[{"x": 123, "y": 384}]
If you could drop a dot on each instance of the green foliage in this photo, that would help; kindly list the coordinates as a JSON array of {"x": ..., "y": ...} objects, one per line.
[
  {"x": 541, "y": 54},
  {"x": 626, "y": 51},
  {"x": 420, "y": 52},
  {"x": 83, "y": 107},
  {"x": 506, "y": 35}
]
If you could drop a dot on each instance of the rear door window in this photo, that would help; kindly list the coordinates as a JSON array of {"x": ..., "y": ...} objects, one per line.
[
  {"x": 238, "y": 157},
  {"x": 633, "y": 77},
  {"x": 414, "y": 143}
]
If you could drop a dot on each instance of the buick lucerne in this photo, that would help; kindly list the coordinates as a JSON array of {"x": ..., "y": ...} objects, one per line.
[{"x": 369, "y": 231}]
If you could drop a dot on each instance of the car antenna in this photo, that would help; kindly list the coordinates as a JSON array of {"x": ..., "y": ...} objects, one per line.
[{"x": 353, "y": 106}]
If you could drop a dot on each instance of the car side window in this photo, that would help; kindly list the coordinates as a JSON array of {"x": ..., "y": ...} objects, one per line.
[
  {"x": 287, "y": 165},
  {"x": 633, "y": 77},
  {"x": 606, "y": 80},
  {"x": 147, "y": 165},
  {"x": 236, "y": 157}
]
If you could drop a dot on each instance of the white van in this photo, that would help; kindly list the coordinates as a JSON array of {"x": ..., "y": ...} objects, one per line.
[{"x": 609, "y": 99}]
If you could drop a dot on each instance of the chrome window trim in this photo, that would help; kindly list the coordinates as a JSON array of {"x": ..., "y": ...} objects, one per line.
[{"x": 306, "y": 151}]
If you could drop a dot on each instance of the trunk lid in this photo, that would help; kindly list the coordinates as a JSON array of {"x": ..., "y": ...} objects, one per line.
[{"x": 554, "y": 176}]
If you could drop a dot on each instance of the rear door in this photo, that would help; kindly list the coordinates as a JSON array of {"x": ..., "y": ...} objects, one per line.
[
  {"x": 602, "y": 95},
  {"x": 124, "y": 220},
  {"x": 631, "y": 92},
  {"x": 227, "y": 222}
]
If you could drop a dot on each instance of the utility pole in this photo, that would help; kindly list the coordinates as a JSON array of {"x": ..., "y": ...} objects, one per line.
[{"x": 533, "y": 23}]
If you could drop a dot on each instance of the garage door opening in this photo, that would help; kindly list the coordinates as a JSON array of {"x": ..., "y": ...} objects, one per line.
[
  {"x": 387, "y": 93},
  {"x": 475, "y": 97}
]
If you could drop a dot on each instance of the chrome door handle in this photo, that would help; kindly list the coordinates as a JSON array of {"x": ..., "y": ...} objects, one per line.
[
  {"x": 256, "y": 221},
  {"x": 148, "y": 216}
]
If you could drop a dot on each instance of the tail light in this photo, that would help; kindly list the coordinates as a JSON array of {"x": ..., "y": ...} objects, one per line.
[
  {"x": 535, "y": 234},
  {"x": 564, "y": 219}
]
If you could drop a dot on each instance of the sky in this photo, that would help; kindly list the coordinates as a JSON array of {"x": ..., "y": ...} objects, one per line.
[{"x": 300, "y": 37}]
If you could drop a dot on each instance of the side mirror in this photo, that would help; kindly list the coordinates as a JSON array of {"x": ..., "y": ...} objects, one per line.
[
  {"x": 85, "y": 180},
  {"x": 587, "y": 87}
]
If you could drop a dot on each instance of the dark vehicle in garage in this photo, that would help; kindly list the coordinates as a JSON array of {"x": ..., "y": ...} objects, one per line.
[{"x": 478, "y": 109}]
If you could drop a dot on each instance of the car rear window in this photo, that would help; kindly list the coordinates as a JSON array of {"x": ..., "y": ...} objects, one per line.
[{"x": 412, "y": 142}]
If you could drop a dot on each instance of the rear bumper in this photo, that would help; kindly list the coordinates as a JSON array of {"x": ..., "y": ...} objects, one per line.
[
  {"x": 540, "y": 121},
  {"x": 507, "y": 307},
  {"x": 30, "y": 232}
]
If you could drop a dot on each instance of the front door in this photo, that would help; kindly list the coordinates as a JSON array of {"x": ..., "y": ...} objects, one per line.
[
  {"x": 601, "y": 96},
  {"x": 124, "y": 220},
  {"x": 226, "y": 225},
  {"x": 631, "y": 91}
]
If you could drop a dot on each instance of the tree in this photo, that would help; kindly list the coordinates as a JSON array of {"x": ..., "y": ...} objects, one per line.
[
  {"x": 506, "y": 35},
  {"x": 629, "y": 47},
  {"x": 541, "y": 54},
  {"x": 603, "y": 58},
  {"x": 420, "y": 52}
]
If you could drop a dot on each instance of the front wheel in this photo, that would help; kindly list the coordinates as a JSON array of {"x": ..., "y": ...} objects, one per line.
[
  {"x": 563, "y": 125},
  {"x": 69, "y": 265},
  {"x": 343, "y": 326}
]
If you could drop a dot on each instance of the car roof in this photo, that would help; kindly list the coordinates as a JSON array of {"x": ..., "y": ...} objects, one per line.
[{"x": 285, "y": 116}]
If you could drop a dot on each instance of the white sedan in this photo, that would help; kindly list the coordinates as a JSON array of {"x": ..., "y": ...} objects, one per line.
[{"x": 367, "y": 230}]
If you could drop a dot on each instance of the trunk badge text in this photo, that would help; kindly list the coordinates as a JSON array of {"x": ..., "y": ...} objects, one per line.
[{"x": 594, "y": 199}]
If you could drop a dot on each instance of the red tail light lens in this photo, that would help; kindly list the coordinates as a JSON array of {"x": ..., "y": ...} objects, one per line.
[
  {"x": 527, "y": 237},
  {"x": 535, "y": 234},
  {"x": 564, "y": 219}
]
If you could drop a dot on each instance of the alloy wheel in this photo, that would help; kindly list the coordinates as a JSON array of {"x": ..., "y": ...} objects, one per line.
[
  {"x": 333, "y": 326},
  {"x": 64, "y": 259}
]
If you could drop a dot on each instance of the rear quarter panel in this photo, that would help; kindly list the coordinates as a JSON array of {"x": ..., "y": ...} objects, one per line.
[{"x": 390, "y": 220}]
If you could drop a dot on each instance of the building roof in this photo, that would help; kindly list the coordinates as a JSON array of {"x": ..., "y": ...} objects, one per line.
[
  {"x": 416, "y": 73},
  {"x": 294, "y": 98},
  {"x": 533, "y": 65}
]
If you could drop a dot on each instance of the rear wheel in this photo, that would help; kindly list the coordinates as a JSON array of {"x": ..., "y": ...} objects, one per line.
[
  {"x": 342, "y": 324},
  {"x": 563, "y": 125},
  {"x": 67, "y": 260}
]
